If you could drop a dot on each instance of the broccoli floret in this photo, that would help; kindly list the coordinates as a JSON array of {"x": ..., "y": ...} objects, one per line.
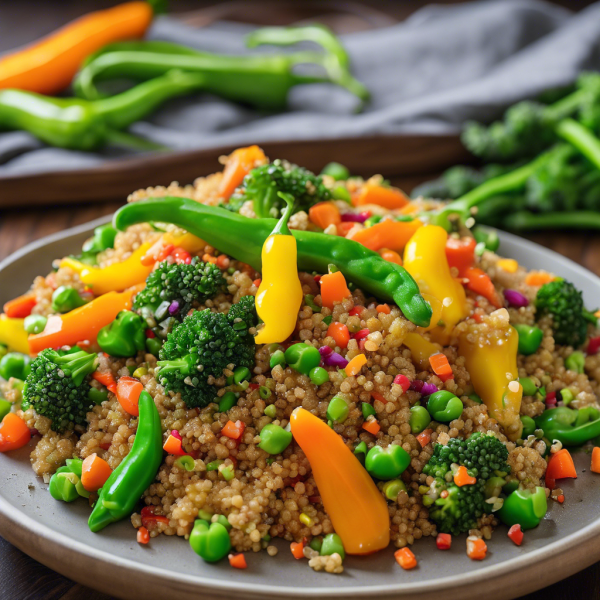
[
  {"x": 263, "y": 183},
  {"x": 186, "y": 283},
  {"x": 563, "y": 301},
  {"x": 456, "y": 509},
  {"x": 58, "y": 387},
  {"x": 203, "y": 345}
]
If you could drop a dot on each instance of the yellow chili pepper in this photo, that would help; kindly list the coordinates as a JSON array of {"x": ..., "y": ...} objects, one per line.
[
  {"x": 425, "y": 259},
  {"x": 13, "y": 334},
  {"x": 188, "y": 241},
  {"x": 279, "y": 296},
  {"x": 115, "y": 277},
  {"x": 421, "y": 349},
  {"x": 491, "y": 360}
]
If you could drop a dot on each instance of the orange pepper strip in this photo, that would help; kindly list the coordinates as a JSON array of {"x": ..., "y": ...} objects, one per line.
[
  {"x": 297, "y": 549},
  {"x": 538, "y": 278},
  {"x": 94, "y": 472},
  {"x": 561, "y": 466},
  {"x": 405, "y": 558},
  {"x": 233, "y": 431},
  {"x": 239, "y": 163},
  {"x": 128, "y": 395},
  {"x": 462, "y": 477},
  {"x": 83, "y": 323},
  {"x": 348, "y": 493},
  {"x": 238, "y": 561},
  {"x": 20, "y": 307},
  {"x": 372, "y": 426},
  {"x": 333, "y": 289},
  {"x": 143, "y": 535},
  {"x": 324, "y": 214},
  {"x": 390, "y": 256},
  {"x": 595, "y": 460},
  {"x": 355, "y": 365},
  {"x": 388, "y": 197},
  {"x": 393, "y": 235},
  {"x": 340, "y": 334},
  {"x": 14, "y": 433},
  {"x": 476, "y": 548},
  {"x": 106, "y": 379},
  {"x": 480, "y": 283},
  {"x": 173, "y": 446},
  {"x": 441, "y": 367},
  {"x": 383, "y": 308},
  {"x": 461, "y": 253},
  {"x": 424, "y": 437}
]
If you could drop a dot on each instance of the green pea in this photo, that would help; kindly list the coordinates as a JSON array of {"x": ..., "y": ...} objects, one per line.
[
  {"x": 339, "y": 192},
  {"x": 65, "y": 299},
  {"x": 337, "y": 410},
  {"x": 309, "y": 300},
  {"x": 5, "y": 406},
  {"x": 274, "y": 439},
  {"x": 97, "y": 396},
  {"x": 302, "y": 357},
  {"x": 241, "y": 374},
  {"x": 222, "y": 519},
  {"x": 392, "y": 488},
  {"x": 372, "y": 220},
  {"x": 367, "y": 410},
  {"x": 419, "y": 419},
  {"x": 185, "y": 462},
  {"x": 475, "y": 398},
  {"x": 277, "y": 358},
  {"x": 387, "y": 463},
  {"x": 15, "y": 364},
  {"x": 336, "y": 170},
  {"x": 153, "y": 345},
  {"x": 35, "y": 323},
  {"x": 530, "y": 338},
  {"x": 332, "y": 543},
  {"x": 567, "y": 396},
  {"x": 210, "y": 542},
  {"x": 487, "y": 236},
  {"x": 63, "y": 486},
  {"x": 361, "y": 449},
  {"x": 529, "y": 388},
  {"x": 444, "y": 406},
  {"x": 316, "y": 544},
  {"x": 319, "y": 375},
  {"x": 574, "y": 362},
  {"x": 529, "y": 426},
  {"x": 228, "y": 400}
]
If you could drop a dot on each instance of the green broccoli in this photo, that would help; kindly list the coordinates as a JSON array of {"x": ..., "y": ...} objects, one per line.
[
  {"x": 203, "y": 345},
  {"x": 456, "y": 509},
  {"x": 263, "y": 183},
  {"x": 58, "y": 387},
  {"x": 563, "y": 301},
  {"x": 184, "y": 283}
]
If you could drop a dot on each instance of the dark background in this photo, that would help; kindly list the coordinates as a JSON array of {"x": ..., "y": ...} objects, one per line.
[{"x": 22, "y": 21}]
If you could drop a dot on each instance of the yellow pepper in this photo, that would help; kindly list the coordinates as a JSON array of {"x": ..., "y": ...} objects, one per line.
[
  {"x": 425, "y": 259},
  {"x": 279, "y": 296},
  {"x": 13, "y": 334},
  {"x": 188, "y": 241},
  {"x": 491, "y": 360},
  {"x": 421, "y": 349},
  {"x": 115, "y": 277}
]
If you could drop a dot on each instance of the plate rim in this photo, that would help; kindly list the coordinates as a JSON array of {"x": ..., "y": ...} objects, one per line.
[{"x": 46, "y": 545}]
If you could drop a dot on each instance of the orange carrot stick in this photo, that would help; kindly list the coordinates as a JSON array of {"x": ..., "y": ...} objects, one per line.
[
  {"x": 239, "y": 163},
  {"x": 393, "y": 235}
]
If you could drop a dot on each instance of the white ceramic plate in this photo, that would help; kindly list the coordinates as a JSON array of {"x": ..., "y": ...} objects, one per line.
[{"x": 57, "y": 535}]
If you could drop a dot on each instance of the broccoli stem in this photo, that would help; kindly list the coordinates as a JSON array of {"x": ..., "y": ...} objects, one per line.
[
  {"x": 566, "y": 106},
  {"x": 79, "y": 364},
  {"x": 182, "y": 365},
  {"x": 554, "y": 220},
  {"x": 581, "y": 138}
]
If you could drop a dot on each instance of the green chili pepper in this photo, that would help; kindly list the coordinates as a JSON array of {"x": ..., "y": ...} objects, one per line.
[
  {"x": 264, "y": 392},
  {"x": 302, "y": 357},
  {"x": 222, "y": 519},
  {"x": 271, "y": 411},
  {"x": 277, "y": 358},
  {"x": 373, "y": 220},
  {"x": 210, "y": 542},
  {"x": 570, "y": 427},
  {"x": 419, "y": 419},
  {"x": 214, "y": 465},
  {"x": 226, "y": 472},
  {"x": 444, "y": 406},
  {"x": 243, "y": 239},
  {"x": 529, "y": 388},
  {"x": 575, "y": 362},
  {"x": 368, "y": 410},
  {"x": 97, "y": 396},
  {"x": 336, "y": 170},
  {"x": 332, "y": 543},
  {"x": 104, "y": 238},
  {"x": 524, "y": 507},
  {"x": 15, "y": 364},
  {"x": 5, "y": 407},
  {"x": 328, "y": 320},
  {"x": 392, "y": 488},
  {"x": 125, "y": 336},
  {"x": 337, "y": 409},
  {"x": 387, "y": 463},
  {"x": 530, "y": 338},
  {"x": 185, "y": 462},
  {"x": 66, "y": 299},
  {"x": 274, "y": 439},
  {"x": 361, "y": 449},
  {"x": 35, "y": 323},
  {"x": 566, "y": 395},
  {"x": 136, "y": 472},
  {"x": 529, "y": 426},
  {"x": 341, "y": 193},
  {"x": 309, "y": 300},
  {"x": 319, "y": 375}
]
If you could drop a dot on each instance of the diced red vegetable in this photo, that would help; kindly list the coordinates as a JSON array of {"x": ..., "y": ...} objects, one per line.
[
  {"x": 443, "y": 541},
  {"x": 561, "y": 466},
  {"x": 233, "y": 430},
  {"x": 238, "y": 561},
  {"x": 515, "y": 533}
]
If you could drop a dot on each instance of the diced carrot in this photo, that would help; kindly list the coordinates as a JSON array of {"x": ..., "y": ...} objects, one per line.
[
  {"x": 424, "y": 437},
  {"x": 405, "y": 558},
  {"x": 443, "y": 541},
  {"x": 379, "y": 397},
  {"x": 461, "y": 253},
  {"x": 390, "y": 255},
  {"x": 143, "y": 537},
  {"x": 233, "y": 430},
  {"x": 343, "y": 229},
  {"x": 355, "y": 365},
  {"x": 128, "y": 394},
  {"x": 561, "y": 466},
  {"x": 14, "y": 433},
  {"x": 333, "y": 289},
  {"x": 209, "y": 258},
  {"x": 561, "y": 498},
  {"x": 596, "y": 460},
  {"x": 515, "y": 533},
  {"x": 462, "y": 477},
  {"x": 388, "y": 197},
  {"x": 340, "y": 334},
  {"x": 383, "y": 308},
  {"x": 94, "y": 472},
  {"x": 480, "y": 283},
  {"x": 538, "y": 278},
  {"x": 238, "y": 561},
  {"x": 239, "y": 163},
  {"x": 297, "y": 549},
  {"x": 372, "y": 426},
  {"x": 173, "y": 446},
  {"x": 476, "y": 548},
  {"x": 324, "y": 214},
  {"x": 393, "y": 235},
  {"x": 20, "y": 307},
  {"x": 223, "y": 261},
  {"x": 441, "y": 367},
  {"x": 107, "y": 379}
]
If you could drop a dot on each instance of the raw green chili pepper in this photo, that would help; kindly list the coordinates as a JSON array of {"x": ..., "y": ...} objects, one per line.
[
  {"x": 35, "y": 323},
  {"x": 309, "y": 300},
  {"x": 97, "y": 396},
  {"x": 104, "y": 238},
  {"x": 419, "y": 419},
  {"x": 277, "y": 358},
  {"x": 274, "y": 439},
  {"x": 529, "y": 388},
  {"x": 125, "y": 336},
  {"x": 264, "y": 392},
  {"x": 302, "y": 357},
  {"x": 243, "y": 238},
  {"x": 361, "y": 449},
  {"x": 444, "y": 406},
  {"x": 392, "y": 488},
  {"x": 185, "y": 462},
  {"x": 65, "y": 299},
  {"x": 530, "y": 338},
  {"x": 524, "y": 507},
  {"x": 214, "y": 465},
  {"x": 337, "y": 409},
  {"x": 228, "y": 401},
  {"x": 5, "y": 407},
  {"x": 387, "y": 463},
  {"x": 373, "y": 220},
  {"x": 566, "y": 395},
  {"x": 127, "y": 483},
  {"x": 529, "y": 426},
  {"x": 336, "y": 170},
  {"x": 368, "y": 410},
  {"x": 15, "y": 364},
  {"x": 570, "y": 427},
  {"x": 332, "y": 543},
  {"x": 210, "y": 542},
  {"x": 575, "y": 362},
  {"x": 318, "y": 375}
]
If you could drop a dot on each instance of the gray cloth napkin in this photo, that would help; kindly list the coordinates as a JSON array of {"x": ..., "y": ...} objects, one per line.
[{"x": 427, "y": 75}]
